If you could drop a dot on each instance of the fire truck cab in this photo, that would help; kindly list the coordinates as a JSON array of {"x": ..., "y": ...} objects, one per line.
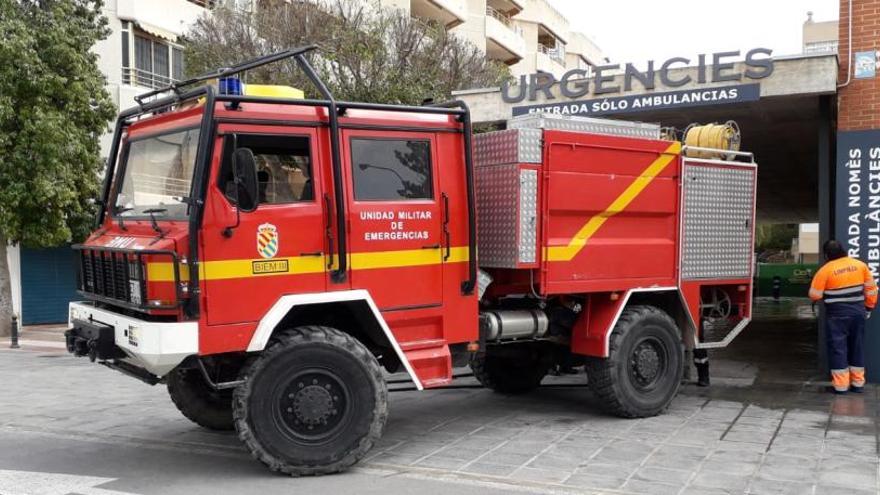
[{"x": 270, "y": 259}]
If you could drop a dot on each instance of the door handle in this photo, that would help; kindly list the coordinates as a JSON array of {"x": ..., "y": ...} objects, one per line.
[
  {"x": 313, "y": 253},
  {"x": 328, "y": 231},
  {"x": 446, "y": 237},
  {"x": 432, "y": 246}
]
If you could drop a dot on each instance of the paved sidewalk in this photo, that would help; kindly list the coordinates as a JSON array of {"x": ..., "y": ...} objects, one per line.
[
  {"x": 40, "y": 338},
  {"x": 761, "y": 428}
]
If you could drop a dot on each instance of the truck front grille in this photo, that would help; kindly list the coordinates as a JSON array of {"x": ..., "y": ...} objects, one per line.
[
  {"x": 117, "y": 276},
  {"x": 109, "y": 274}
]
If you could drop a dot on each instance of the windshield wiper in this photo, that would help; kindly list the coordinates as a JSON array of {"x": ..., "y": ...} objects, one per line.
[
  {"x": 119, "y": 212},
  {"x": 153, "y": 222}
]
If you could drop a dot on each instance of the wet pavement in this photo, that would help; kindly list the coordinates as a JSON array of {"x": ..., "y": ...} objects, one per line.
[{"x": 765, "y": 426}]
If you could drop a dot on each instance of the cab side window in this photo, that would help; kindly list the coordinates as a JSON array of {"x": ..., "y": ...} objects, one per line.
[
  {"x": 391, "y": 169},
  {"x": 284, "y": 168}
]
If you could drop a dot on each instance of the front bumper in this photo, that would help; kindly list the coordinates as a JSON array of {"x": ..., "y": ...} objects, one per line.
[{"x": 157, "y": 347}]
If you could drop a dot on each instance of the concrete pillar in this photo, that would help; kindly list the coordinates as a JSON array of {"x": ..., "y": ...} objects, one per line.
[{"x": 857, "y": 188}]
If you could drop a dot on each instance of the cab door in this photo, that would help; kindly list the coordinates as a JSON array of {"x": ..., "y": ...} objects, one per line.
[
  {"x": 251, "y": 258},
  {"x": 395, "y": 222}
]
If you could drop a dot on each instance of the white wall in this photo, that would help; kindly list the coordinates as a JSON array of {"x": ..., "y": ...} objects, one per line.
[{"x": 13, "y": 257}]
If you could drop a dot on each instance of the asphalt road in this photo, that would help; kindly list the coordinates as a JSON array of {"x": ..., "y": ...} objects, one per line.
[{"x": 41, "y": 463}]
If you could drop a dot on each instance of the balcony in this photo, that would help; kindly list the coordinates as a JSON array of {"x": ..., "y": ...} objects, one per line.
[
  {"x": 507, "y": 7},
  {"x": 584, "y": 48},
  {"x": 550, "y": 60},
  {"x": 549, "y": 20},
  {"x": 153, "y": 16},
  {"x": 145, "y": 79},
  {"x": 504, "y": 41},
  {"x": 448, "y": 13}
]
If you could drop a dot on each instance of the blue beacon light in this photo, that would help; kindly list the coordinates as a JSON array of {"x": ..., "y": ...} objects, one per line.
[{"x": 230, "y": 86}]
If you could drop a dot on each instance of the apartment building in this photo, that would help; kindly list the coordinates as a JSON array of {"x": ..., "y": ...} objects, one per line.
[
  {"x": 143, "y": 52},
  {"x": 819, "y": 37},
  {"x": 527, "y": 35}
]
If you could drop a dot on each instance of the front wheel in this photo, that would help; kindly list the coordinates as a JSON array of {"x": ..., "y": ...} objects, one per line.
[
  {"x": 200, "y": 403},
  {"x": 314, "y": 402},
  {"x": 643, "y": 370}
]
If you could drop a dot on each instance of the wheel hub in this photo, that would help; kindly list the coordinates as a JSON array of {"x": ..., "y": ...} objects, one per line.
[
  {"x": 313, "y": 404},
  {"x": 646, "y": 363}
]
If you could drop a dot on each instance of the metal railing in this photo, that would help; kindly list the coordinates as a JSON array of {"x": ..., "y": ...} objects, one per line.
[
  {"x": 139, "y": 77},
  {"x": 556, "y": 54},
  {"x": 501, "y": 16}
]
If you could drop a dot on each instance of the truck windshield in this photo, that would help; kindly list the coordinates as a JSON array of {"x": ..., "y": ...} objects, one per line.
[{"x": 158, "y": 174}]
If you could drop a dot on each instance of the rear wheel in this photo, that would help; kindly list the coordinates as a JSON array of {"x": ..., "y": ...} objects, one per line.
[
  {"x": 643, "y": 371},
  {"x": 314, "y": 402},
  {"x": 200, "y": 403},
  {"x": 509, "y": 374}
]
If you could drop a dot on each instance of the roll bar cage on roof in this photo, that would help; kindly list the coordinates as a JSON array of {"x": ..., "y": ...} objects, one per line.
[{"x": 181, "y": 91}]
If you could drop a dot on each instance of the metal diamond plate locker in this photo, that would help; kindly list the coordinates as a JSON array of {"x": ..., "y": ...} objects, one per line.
[{"x": 717, "y": 216}]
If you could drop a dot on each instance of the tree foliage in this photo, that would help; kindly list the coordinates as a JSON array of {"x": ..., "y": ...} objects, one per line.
[
  {"x": 53, "y": 110},
  {"x": 367, "y": 53},
  {"x": 776, "y": 236}
]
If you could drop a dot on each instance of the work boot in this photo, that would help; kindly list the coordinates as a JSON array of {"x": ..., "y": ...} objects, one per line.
[
  {"x": 857, "y": 390},
  {"x": 703, "y": 375},
  {"x": 834, "y": 391}
]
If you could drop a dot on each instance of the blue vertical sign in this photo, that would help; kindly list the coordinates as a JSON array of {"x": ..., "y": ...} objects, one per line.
[{"x": 857, "y": 216}]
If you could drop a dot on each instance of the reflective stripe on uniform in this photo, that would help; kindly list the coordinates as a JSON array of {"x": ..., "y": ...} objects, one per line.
[
  {"x": 701, "y": 360},
  {"x": 853, "y": 289},
  {"x": 853, "y": 293},
  {"x": 840, "y": 380},
  {"x": 832, "y": 300},
  {"x": 857, "y": 376}
]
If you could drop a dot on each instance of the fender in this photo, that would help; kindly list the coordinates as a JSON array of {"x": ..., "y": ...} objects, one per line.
[
  {"x": 689, "y": 328},
  {"x": 284, "y": 304},
  {"x": 592, "y": 333}
]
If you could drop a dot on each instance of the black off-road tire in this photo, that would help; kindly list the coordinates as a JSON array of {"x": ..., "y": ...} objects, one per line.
[
  {"x": 508, "y": 375},
  {"x": 197, "y": 401},
  {"x": 314, "y": 402},
  {"x": 643, "y": 371}
]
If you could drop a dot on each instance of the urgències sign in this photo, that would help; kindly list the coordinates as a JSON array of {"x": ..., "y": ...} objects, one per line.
[{"x": 574, "y": 85}]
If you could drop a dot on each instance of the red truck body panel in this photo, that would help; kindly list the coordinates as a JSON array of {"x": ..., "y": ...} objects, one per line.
[{"x": 607, "y": 222}]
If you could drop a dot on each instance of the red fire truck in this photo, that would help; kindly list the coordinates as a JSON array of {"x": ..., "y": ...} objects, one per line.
[{"x": 271, "y": 259}]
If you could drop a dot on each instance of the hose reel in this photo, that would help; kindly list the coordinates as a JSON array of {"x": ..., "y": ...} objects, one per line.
[{"x": 721, "y": 137}]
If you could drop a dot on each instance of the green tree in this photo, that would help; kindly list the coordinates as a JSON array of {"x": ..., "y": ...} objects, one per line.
[
  {"x": 775, "y": 236},
  {"x": 367, "y": 53},
  {"x": 53, "y": 110}
]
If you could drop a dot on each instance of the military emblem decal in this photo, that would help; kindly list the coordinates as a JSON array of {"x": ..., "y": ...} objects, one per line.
[{"x": 267, "y": 240}]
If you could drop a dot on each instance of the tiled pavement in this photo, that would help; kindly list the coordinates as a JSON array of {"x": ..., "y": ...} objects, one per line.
[{"x": 752, "y": 432}]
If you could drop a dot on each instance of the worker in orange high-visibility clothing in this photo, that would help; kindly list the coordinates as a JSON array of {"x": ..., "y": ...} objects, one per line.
[{"x": 849, "y": 292}]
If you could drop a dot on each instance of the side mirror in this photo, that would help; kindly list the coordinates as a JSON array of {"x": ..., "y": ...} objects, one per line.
[{"x": 244, "y": 169}]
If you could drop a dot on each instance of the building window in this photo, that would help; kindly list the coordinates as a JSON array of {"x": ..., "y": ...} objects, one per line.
[
  {"x": 391, "y": 169},
  {"x": 157, "y": 62},
  {"x": 821, "y": 47}
]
